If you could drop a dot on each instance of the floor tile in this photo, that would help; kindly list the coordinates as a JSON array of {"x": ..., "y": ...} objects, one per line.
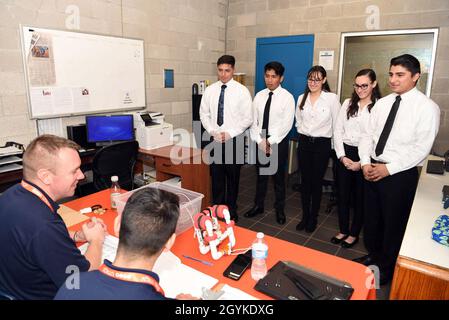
[
  {"x": 266, "y": 229},
  {"x": 292, "y": 237},
  {"x": 324, "y": 234},
  {"x": 322, "y": 246}
]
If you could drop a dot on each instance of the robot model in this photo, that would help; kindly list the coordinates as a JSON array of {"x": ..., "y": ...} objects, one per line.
[{"x": 209, "y": 233}]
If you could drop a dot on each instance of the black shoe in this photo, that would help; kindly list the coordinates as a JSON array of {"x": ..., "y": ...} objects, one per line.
[
  {"x": 335, "y": 240},
  {"x": 310, "y": 228},
  {"x": 301, "y": 225},
  {"x": 365, "y": 260},
  {"x": 348, "y": 245},
  {"x": 280, "y": 217},
  {"x": 254, "y": 211}
]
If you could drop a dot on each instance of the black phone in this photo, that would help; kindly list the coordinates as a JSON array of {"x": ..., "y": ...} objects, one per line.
[{"x": 238, "y": 266}]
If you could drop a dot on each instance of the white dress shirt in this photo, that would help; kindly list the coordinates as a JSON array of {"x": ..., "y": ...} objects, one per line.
[
  {"x": 348, "y": 131},
  {"x": 411, "y": 138},
  {"x": 237, "y": 114},
  {"x": 282, "y": 114},
  {"x": 318, "y": 120}
]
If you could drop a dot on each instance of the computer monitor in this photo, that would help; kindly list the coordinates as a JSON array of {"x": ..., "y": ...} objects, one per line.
[{"x": 103, "y": 130}]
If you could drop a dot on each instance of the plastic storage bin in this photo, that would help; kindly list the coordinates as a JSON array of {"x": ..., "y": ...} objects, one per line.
[{"x": 189, "y": 203}]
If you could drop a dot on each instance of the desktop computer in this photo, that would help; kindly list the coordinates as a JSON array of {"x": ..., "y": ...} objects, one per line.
[{"x": 78, "y": 134}]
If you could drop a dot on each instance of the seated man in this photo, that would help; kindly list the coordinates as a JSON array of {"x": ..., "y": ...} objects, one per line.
[
  {"x": 37, "y": 251},
  {"x": 147, "y": 228}
]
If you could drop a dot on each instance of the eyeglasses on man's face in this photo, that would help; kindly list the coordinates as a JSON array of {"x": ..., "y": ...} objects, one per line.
[
  {"x": 360, "y": 86},
  {"x": 314, "y": 80}
]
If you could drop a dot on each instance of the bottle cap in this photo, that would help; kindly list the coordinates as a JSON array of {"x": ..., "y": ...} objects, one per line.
[
  {"x": 114, "y": 178},
  {"x": 260, "y": 235}
]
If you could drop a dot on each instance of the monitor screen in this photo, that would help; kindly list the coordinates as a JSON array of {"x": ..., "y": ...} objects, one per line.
[{"x": 110, "y": 128}]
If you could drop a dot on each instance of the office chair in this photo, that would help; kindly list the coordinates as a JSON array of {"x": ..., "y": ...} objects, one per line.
[{"x": 117, "y": 159}]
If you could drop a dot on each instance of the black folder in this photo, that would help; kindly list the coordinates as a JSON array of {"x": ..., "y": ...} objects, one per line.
[{"x": 289, "y": 281}]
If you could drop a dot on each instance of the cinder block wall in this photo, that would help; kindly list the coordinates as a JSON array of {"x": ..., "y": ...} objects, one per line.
[
  {"x": 187, "y": 36},
  {"x": 327, "y": 19}
]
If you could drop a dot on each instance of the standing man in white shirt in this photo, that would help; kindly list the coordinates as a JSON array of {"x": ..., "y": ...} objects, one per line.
[
  {"x": 399, "y": 136},
  {"x": 274, "y": 112},
  {"x": 225, "y": 113}
]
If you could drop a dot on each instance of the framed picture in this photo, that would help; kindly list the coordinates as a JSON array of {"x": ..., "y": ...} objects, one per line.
[{"x": 374, "y": 49}]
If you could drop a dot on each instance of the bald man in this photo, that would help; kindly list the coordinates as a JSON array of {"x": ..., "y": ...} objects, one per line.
[{"x": 37, "y": 252}]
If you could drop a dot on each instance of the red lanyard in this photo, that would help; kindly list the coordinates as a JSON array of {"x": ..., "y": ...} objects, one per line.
[
  {"x": 131, "y": 277},
  {"x": 37, "y": 193}
]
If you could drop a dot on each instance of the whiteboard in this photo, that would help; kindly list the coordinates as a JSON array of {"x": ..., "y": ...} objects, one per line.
[{"x": 72, "y": 73}]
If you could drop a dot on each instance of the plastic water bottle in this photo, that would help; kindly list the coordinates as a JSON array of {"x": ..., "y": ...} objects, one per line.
[
  {"x": 259, "y": 253},
  {"x": 115, "y": 191}
]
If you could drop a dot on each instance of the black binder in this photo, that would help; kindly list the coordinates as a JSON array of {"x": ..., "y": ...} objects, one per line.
[{"x": 290, "y": 281}]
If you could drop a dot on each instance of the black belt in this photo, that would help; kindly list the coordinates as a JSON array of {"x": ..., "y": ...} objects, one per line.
[
  {"x": 377, "y": 161},
  {"x": 312, "y": 139}
]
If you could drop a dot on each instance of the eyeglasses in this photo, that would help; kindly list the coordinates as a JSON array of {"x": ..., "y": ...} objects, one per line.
[
  {"x": 361, "y": 86},
  {"x": 315, "y": 80}
]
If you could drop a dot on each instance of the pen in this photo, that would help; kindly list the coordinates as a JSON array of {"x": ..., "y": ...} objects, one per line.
[{"x": 207, "y": 263}]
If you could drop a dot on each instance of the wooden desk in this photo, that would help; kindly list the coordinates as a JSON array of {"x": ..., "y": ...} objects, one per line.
[
  {"x": 187, "y": 163},
  {"x": 422, "y": 268},
  {"x": 356, "y": 274}
]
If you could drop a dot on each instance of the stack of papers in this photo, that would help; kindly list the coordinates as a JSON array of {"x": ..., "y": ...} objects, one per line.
[{"x": 10, "y": 151}]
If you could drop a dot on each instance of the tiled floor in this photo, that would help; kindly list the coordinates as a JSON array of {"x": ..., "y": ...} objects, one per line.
[{"x": 319, "y": 239}]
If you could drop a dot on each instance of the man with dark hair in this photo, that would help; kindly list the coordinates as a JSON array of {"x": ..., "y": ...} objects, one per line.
[
  {"x": 225, "y": 113},
  {"x": 146, "y": 228},
  {"x": 36, "y": 247},
  {"x": 399, "y": 137},
  {"x": 274, "y": 112}
]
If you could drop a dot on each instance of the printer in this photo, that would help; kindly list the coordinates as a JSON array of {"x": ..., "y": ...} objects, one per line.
[{"x": 151, "y": 130}]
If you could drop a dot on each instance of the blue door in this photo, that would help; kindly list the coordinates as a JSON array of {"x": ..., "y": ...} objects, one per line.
[{"x": 294, "y": 52}]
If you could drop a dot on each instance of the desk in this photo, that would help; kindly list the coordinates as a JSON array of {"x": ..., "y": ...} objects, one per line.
[
  {"x": 422, "y": 268},
  {"x": 183, "y": 162},
  {"x": 354, "y": 273}
]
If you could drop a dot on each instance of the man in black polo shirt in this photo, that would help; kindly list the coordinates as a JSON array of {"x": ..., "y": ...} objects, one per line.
[
  {"x": 147, "y": 228},
  {"x": 37, "y": 251}
]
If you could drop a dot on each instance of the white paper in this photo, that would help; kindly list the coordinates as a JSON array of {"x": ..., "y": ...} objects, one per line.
[
  {"x": 231, "y": 293},
  {"x": 110, "y": 245},
  {"x": 327, "y": 60}
]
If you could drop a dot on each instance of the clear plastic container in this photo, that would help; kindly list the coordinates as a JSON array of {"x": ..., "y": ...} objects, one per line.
[
  {"x": 260, "y": 254},
  {"x": 115, "y": 191},
  {"x": 189, "y": 203}
]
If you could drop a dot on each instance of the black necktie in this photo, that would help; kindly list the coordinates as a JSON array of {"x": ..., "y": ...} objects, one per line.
[
  {"x": 387, "y": 128},
  {"x": 266, "y": 116},
  {"x": 221, "y": 106}
]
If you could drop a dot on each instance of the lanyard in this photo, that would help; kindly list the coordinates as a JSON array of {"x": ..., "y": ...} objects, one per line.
[
  {"x": 131, "y": 277},
  {"x": 37, "y": 193}
]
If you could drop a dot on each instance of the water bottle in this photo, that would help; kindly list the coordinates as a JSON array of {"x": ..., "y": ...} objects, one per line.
[
  {"x": 259, "y": 253},
  {"x": 115, "y": 191}
]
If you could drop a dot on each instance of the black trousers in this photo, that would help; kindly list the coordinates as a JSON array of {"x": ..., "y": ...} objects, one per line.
[
  {"x": 314, "y": 156},
  {"x": 387, "y": 207},
  {"x": 350, "y": 189},
  {"x": 226, "y": 174},
  {"x": 280, "y": 153}
]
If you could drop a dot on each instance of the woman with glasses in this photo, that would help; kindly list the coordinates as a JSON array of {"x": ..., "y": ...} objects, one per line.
[
  {"x": 316, "y": 115},
  {"x": 352, "y": 118}
]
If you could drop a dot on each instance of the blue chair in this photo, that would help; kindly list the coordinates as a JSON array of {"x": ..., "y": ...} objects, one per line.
[{"x": 5, "y": 296}]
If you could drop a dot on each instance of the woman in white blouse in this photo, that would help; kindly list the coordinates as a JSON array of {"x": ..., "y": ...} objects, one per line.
[
  {"x": 316, "y": 115},
  {"x": 352, "y": 118}
]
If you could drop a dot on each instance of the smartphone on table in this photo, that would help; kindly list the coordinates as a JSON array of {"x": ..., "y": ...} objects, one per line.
[{"x": 238, "y": 266}]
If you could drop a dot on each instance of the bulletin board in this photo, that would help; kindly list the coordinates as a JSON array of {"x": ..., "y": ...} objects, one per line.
[{"x": 72, "y": 73}]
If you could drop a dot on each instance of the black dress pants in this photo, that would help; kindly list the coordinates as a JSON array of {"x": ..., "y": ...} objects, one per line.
[
  {"x": 314, "y": 156},
  {"x": 280, "y": 154},
  {"x": 226, "y": 174},
  {"x": 387, "y": 207},
  {"x": 350, "y": 188}
]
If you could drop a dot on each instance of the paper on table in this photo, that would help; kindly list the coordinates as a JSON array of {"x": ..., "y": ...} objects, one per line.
[
  {"x": 174, "y": 277},
  {"x": 231, "y": 293},
  {"x": 70, "y": 216}
]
